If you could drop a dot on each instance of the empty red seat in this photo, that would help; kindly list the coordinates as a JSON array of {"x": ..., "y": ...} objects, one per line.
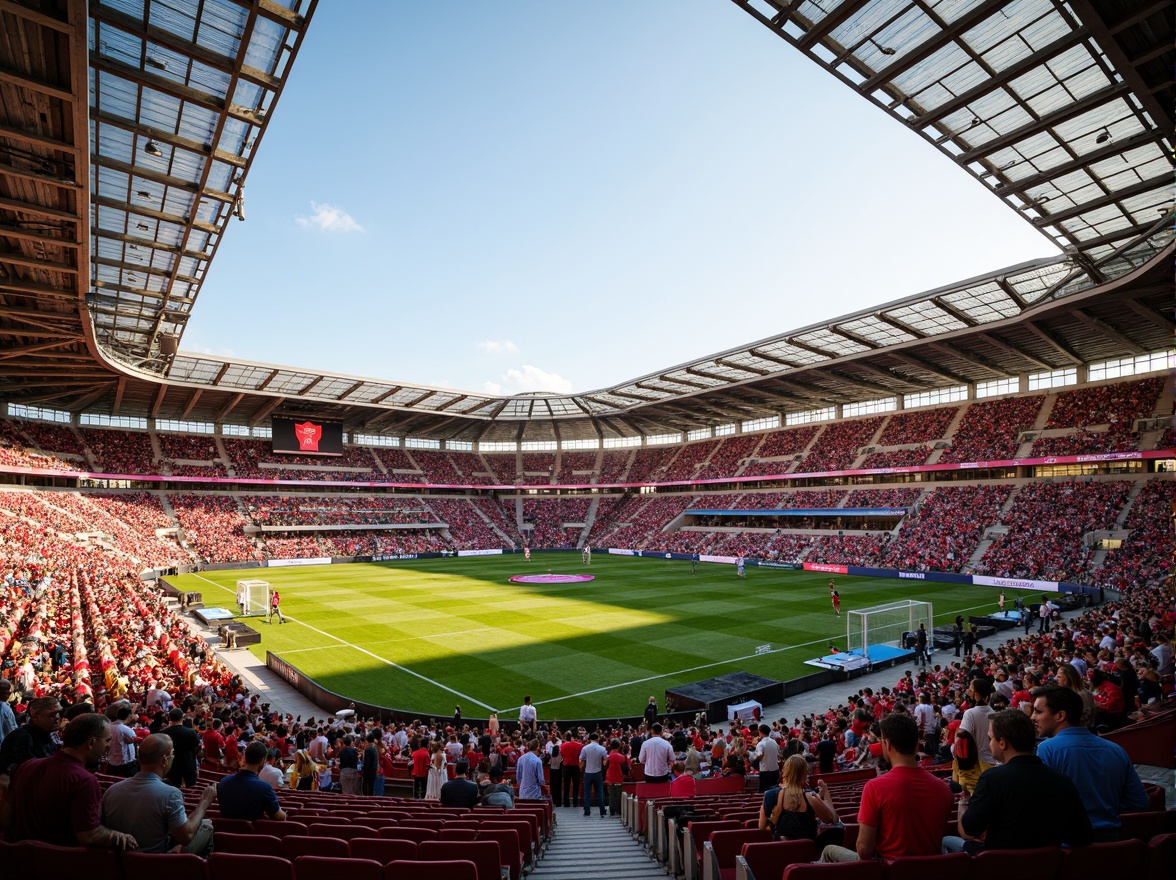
[
  {"x": 400, "y": 832},
  {"x": 255, "y": 844},
  {"x": 383, "y": 850},
  {"x": 722, "y": 847},
  {"x": 869, "y": 870},
  {"x": 1042, "y": 861},
  {"x": 149, "y": 866},
  {"x": 419, "y": 870},
  {"x": 483, "y": 853},
  {"x": 768, "y": 860},
  {"x": 1123, "y": 858},
  {"x": 234, "y": 866},
  {"x": 956, "y": 866},
  {"x": 233, "y": 826},
  {"x": 342, "y": 832},
  {"x": 327, "y": 868},
  {"x": 277, "y": 827},
  {"x": 295, "y": 845}
]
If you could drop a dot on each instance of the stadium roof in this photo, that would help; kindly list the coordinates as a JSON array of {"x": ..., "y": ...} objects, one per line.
[{"x": 150, "y": 114}]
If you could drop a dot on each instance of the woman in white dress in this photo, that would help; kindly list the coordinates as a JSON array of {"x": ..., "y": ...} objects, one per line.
[{"x": 437, "y": 774}]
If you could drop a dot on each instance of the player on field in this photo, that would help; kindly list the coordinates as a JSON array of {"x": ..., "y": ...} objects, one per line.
[{"x": 837, "y": 602}]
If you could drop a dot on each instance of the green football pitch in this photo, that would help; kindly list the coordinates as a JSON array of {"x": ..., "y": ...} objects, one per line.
[{"x": 424, "y": 635}]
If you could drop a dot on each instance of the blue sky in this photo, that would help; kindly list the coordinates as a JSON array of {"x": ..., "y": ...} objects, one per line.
[{"x": 537, "y": 195}]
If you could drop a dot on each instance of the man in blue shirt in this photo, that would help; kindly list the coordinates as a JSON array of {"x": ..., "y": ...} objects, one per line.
[
  {"x": 243, "y": 795},
  {"x": 529, "y": 772},
  {"x": 1100, "y": 769}
]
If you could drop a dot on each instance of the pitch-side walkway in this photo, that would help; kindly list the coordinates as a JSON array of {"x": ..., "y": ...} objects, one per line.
[{"x": 588, "y": 847}]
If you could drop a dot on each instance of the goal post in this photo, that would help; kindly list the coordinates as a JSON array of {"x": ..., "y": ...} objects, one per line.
[
  {"x": 253, "y": 596},
  {"x": 884, "y": 625}
]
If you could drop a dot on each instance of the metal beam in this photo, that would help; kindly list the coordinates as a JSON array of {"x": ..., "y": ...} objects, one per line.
[
  {"x": 1156, "y": 183},
  {"x": 1049, "y": 120},
  {"x": 829, "y": 23},
  {"x": 933, "y": 369},
  {"x": 1016, "y": 352},
  {"x": 228, "y": 407},
  {"x": 1113, "y": 148},
  {"x": 264, "y": 411},
  {"x": 1107, "y": 330},
  {"x": 1053, "y": 342},
  {"x": 974, "y": 360},
  {"x": 929, "y": 47},
  {"x": 1041, "y": 56},
  {"x": 159, "y": 395},
  {"x": 1145, "y": 311}
]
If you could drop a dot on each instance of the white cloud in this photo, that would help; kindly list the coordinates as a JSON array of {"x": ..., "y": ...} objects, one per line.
[
  {"x": 328, "y": 218},
  {"x": 505, "y": 347},
  {"x": 528, "y": 378}
]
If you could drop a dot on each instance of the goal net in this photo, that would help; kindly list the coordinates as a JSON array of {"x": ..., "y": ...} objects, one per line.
[
  {"x": 883, "y": 627},
  {"x": 253, "y": 597}
]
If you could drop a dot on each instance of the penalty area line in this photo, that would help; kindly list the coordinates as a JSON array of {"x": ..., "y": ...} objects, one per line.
[
  {"x": 622, "y": 684},
  {"x": 355, "y": 647}
]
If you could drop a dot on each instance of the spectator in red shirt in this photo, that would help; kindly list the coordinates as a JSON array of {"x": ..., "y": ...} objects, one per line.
[
  {"x": 214, "y": 748},
  {"x": 420, "y": 769},
  {"x": 570, "y": 750},
  {"x": 903, "y": 812}
]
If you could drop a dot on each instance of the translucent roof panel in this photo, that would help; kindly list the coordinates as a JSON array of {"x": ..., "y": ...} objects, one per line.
[
  {"x": 875, "y": 330},
  {"x": 834, "y": 343},
  {"x": 983, "y": 304},
  {"x": 926, "y": 318}
]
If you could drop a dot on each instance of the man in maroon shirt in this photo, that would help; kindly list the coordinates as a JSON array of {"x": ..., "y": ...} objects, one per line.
[
  {"x": 57, "y": 799},
  {"x": 214, "y": 748},
  {"x": 903, "y": 812}
]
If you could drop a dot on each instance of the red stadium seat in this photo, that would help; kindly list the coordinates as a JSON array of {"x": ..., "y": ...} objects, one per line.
[
  {"x": 870, "y": 870},
  {"x": 768, "y": 860},
  {"x": 382, "y": 850},
  {"x": 416, "y": 835},
  {"x": 1123, "y": 858},
  {"x": 722, "y": 847},
  {"x": 1161, "y": 857},
  {"x": 295, "y": 845},
  {"x": 278, "y": 828},
  {"x": 1043, "y": 861},
  {"x": 152, "y": 866},
  {"x": 234, "y": 866},
  {"x": 68, "y": 861},
  {"x": 326, "y": 868},
  {"x": 451, "y": 870},
  {"x": 256, "y": 844},
  {"x": 483, "y": 853},
  {"x": 17, "y": 857},
  {"x": 233, "y": 826},
  {"x": 957, "y": 866},
  {"x": 342, "y": 832}
]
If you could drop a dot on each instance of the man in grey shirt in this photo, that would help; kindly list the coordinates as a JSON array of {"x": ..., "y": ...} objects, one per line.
[
  {"x": 151, "y": 811},
  {"x": 593, "y": 757}
]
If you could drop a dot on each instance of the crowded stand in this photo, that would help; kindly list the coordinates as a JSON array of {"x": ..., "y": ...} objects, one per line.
[
  {"x": 839, "y": 444},
  {"x": 188, "y": 447},
  {"x": 729, "y": 457},
  {"x": 688, "y": 460},
  {"x": 990, "y": 430},
  {"x": 1118, "y": 404},
  {"x": 944, "y": 532},
  {"x": 1046, "y": 525},
  {"x": 503, "y": 467},
  {"x": 917, "y": 426},
  {"x": 121, "y": 452},
  {"x": 613, "y": 465},
  {"x": 1145, "y": 555},
  {"x": 255, "y": 459},
  {"x": 895, "y": 458},
  {"x": 334, "y": 510},
  {"x": 1084, "y": 442},
  {"x": 576, "y": 467},
  {"x": 548, "y": 517},
  {"x": 468, "y": 528},
  {"x": 52, "y": 438},
  {"x": 15, "y": 452},
  {"x": 790, "y": 441},
  {"x": 538, "y": 468},
  {"x": 494, "y": 513},
  {"x": 649, "y": 463},
  {"x": 717, "y": 501},
  {"x": 396, "y": 462},
  {"x": 643, "y": 520},
  {"x": 848, "y": 549},
  {"x": 904, "y": 496},
  {"x": 438, "y": 467},
  {"x": 213, "y": 527}
]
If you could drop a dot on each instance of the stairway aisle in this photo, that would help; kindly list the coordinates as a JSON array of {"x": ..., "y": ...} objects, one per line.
[{"x": 587, "y": 847}]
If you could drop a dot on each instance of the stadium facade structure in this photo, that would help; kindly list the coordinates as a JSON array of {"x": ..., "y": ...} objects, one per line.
[{"x": 129, "y": 130}]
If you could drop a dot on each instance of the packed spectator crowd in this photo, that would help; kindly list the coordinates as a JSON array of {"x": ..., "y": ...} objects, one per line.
[
  {"x": 918, "y": 426},
  {"x": 945, "y": 530},
  {"x": 614, "y": 465},
  {"x": 727, "y": 460},
  {"x": 839, "y": 445},
  {"x": 688, "y": 460},
  {"x": 894, "y": 458},
  {"x": 990, "y": 429},
  {"x": 1046, "y": 527},
  {"x": 121, "y": 452},
  {"x": 214, "y": 527},
  {"x": 576, "y": 467}
]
